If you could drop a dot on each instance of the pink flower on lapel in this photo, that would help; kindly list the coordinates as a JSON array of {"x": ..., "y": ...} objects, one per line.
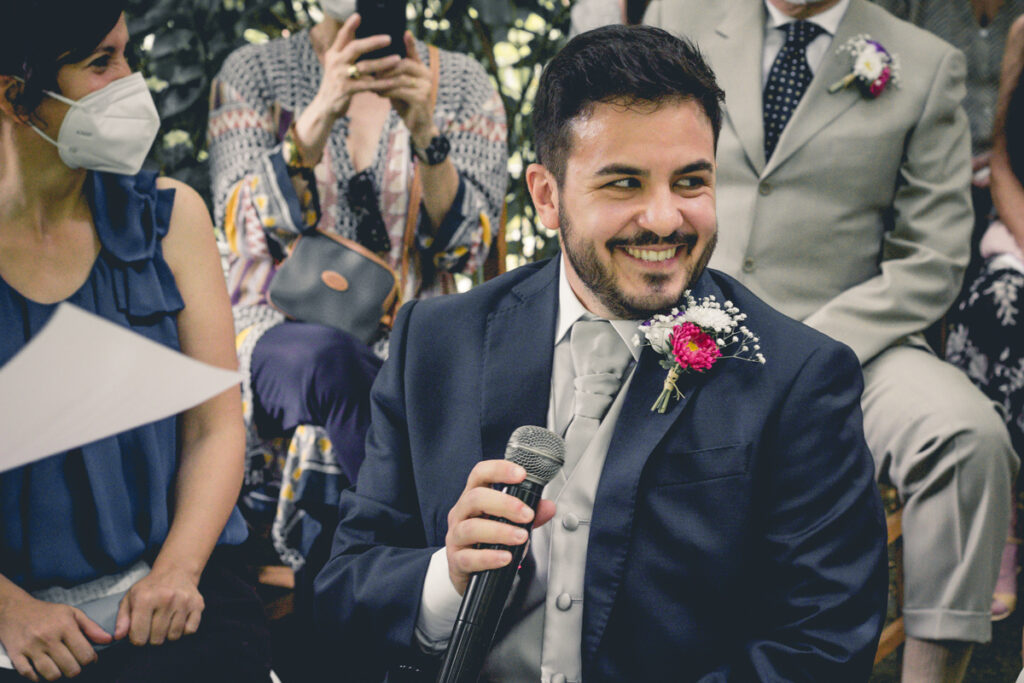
[
  {"x": 694, "y": 338},
  {"x": 874, "y": 67},
  {"x": 694, "y": 348},
  {"x": 878, "y": 85}
]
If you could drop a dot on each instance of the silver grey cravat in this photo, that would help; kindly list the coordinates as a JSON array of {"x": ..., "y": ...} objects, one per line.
[{"x": 599, "y": 358}]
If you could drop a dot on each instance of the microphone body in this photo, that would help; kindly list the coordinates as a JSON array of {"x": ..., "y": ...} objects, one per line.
[{"x": 541, "y": 453}]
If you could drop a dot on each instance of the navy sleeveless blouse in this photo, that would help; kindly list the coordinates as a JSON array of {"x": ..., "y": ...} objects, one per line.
[{"x": 98, "y": 509}]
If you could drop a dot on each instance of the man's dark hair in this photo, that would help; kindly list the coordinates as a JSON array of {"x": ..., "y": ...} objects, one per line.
[{"x": 624, "y": 64}]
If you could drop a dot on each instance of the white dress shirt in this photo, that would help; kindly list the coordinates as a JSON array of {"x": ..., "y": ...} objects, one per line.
[
  {"x": 439, "y": 601},
  {"x": 774, "y": 39}
]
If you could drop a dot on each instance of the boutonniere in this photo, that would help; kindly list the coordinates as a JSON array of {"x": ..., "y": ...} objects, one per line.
[
  {"x": 874, "y": 68},
  {"x": 696, "y": 337}
]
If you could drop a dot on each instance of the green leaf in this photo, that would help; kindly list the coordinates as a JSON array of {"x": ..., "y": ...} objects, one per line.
[
  {"x": 175, "y": 100},
  {"x": 168, "y": 44}
]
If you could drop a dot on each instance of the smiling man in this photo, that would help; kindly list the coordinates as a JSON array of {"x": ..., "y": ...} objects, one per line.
[
  {"x": 639, "y": 234},
  {"x": 734, "y": 535}
]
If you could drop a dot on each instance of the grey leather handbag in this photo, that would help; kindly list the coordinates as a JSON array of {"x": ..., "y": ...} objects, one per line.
[{"x": 334, "y": 281}]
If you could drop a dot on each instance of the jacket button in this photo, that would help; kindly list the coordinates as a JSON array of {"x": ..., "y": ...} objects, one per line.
[
  {"x": 765, "y": 188},
  {"x": 563, "y": 602},
  {"x": 570, "y": 522},
  {"x": 748, "y": 265}
]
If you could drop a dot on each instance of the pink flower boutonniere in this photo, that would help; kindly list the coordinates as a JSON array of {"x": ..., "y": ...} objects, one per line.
[
  {"x": 874, "y": 68},
  {"x": 694, "y": 338}
]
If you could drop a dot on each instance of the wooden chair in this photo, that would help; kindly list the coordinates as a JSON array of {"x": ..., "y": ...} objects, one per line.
[{"x": 893, "y": 634}]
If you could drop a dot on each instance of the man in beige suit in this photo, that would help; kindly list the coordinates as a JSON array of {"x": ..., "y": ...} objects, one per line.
[{"x": 856, "y": 220}]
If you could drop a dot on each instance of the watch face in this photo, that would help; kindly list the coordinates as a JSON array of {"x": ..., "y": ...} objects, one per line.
[{"x": 436, "y": 151}]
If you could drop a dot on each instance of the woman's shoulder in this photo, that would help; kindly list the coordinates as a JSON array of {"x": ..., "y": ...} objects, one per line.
[
  {"x": 1015, "y": 36},
  {"x": 453, "y": 63},
  {"x": 256, "y": 65},
  {"x": 189, "y": 218},
  {"x": 461, "y": 79}
]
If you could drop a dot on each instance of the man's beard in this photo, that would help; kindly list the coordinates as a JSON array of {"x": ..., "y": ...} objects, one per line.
[{"x": 600, "y": 280}]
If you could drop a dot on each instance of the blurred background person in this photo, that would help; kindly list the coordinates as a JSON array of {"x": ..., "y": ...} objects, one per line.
[
  {"x": 979, "y": 29},
  {"x": 148, "y": 513},
  {"x": 984, "y": 328},
  {"x": 304, "y": 135}
]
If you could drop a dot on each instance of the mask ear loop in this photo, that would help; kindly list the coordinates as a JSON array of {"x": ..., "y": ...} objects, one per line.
[{"x": 56, "y": 96}]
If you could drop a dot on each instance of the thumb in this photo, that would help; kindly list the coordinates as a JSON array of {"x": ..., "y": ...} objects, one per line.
[
  {"x": 410, "y": 48},
  {"x": 91, "y": 629},
  {"x": 124, "y": 619}
]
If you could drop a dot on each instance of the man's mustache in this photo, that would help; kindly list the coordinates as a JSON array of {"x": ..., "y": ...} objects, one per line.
[{"x": 650, "y": 239}]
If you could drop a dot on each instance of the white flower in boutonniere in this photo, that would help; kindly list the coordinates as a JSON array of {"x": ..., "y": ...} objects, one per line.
[
  {"x": 695, "y": 338},
  {"x": 874, "y": 68}
]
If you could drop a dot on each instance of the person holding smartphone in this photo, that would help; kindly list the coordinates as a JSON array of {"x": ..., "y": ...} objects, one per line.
[{"x": 325, "y": 128}]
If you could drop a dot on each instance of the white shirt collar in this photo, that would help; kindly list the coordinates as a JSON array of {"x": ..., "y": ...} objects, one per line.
[
  {"x": 570, "y": 310},
  {"x": 828, "y": 20}
]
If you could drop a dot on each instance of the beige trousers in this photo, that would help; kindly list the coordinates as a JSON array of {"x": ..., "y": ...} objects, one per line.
[{"x": 940, "y": 442}]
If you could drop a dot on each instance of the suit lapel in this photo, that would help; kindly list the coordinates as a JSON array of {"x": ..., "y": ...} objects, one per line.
[
  {"x": 736, "y": 47},
  {"x": 518, "y": 349},
  {"x": 819, "y": 107},
  {"x": 638, "y": 432}
]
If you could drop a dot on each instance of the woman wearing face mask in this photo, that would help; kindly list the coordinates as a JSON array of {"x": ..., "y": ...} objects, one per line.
[
  {"x": 303, "y": 133},
  {"x": 144, "y": 520}
]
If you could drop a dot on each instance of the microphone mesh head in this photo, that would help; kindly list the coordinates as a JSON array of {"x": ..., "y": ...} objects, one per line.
[{"x": 540, "y": 451}]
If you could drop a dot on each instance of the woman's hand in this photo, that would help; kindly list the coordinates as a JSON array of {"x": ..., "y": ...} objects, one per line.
[
  {"x": 409, "y": 92},
  {"x": 165, "y": 605},
  {"x": 47, "y": 640},
  {"x": 339, "y": 83}
]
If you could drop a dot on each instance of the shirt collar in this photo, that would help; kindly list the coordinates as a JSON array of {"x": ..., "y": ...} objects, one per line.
[
  {"x": 570, "y": 310},
  {"x": 828, "y": 20}
]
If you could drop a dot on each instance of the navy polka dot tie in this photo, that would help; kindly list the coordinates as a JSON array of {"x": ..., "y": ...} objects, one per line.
[{"x": 789, "y": 77}]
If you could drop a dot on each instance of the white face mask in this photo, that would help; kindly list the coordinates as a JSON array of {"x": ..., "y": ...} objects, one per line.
[
  {"x": 110, "y": 129},
  {"x": 339, "y": 9}
]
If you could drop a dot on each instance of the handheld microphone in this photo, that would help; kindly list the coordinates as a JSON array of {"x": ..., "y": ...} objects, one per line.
[{"x": 541, "y": 453}]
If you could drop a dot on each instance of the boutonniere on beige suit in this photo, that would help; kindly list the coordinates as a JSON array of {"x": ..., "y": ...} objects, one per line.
[{"x": 874, "y": 67}]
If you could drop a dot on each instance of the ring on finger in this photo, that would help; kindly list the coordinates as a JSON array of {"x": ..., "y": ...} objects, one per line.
[{"x": 354, "y": 73}]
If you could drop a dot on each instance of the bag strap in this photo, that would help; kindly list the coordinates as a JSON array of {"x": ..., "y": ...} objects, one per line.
[{"x": 416, "y": 189}]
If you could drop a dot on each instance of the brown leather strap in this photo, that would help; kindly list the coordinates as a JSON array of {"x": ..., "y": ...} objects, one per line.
[{"x": 416, "y": 189}]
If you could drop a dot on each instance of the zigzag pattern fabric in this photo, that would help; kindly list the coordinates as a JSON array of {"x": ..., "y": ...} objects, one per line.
[
  {"x": 788, "y": 79},
  {"x": 255, "y": 202}
]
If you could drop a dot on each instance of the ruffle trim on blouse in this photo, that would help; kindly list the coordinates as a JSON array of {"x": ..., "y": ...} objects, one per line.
[{"x": 132, "y": 217}]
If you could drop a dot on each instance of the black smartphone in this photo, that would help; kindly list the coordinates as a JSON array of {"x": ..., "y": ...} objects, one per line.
[{"x": 382, "y": 17}]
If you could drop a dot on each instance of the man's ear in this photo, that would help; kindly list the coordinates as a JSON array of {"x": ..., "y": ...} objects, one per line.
[{"x": 543, "y": 189}]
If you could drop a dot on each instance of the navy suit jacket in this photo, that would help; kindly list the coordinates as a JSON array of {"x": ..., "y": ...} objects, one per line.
[{"x": 737, "y": 537}]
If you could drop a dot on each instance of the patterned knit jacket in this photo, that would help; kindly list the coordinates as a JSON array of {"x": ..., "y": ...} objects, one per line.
[{"x": 261, "y": 88}]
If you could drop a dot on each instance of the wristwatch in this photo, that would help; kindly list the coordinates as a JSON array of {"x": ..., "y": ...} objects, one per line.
[{"x": 435, "y": 152}]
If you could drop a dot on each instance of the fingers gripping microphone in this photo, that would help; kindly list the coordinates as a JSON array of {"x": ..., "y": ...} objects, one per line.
[{"x": 541, "y": 453}]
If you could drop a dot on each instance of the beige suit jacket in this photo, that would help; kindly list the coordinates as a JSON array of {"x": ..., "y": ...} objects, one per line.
[{"x": 859, "y": 224}]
